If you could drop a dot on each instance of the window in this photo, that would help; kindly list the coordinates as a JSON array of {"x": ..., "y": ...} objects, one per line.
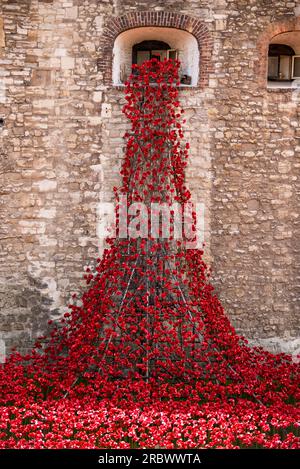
[
  {"x": 136, "y": 45},
  {"x": 296, "y": 66},
  {"x": 284, "y": 60},
  {"x": 147, "y": 50},
  {"x": 280, "y": 62},
  {"x": 158, "y": 50}
]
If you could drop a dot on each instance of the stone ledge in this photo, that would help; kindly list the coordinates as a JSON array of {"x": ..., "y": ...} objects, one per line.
[{"x": 278, "y": 345}]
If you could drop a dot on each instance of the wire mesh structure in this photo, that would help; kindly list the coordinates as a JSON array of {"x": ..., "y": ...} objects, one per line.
[{"x": 141, "y": 318}]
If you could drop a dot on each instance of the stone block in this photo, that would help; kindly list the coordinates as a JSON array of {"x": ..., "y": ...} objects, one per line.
[
  {"x": 40, "y": 77},
  {"x": 97, "y": 96},
  {"x": 72, "y": 13},
  {"x": 95, "y": 120},
  {"x": 67, "y": 63},
  {"x": 2, "y": 351},
  {"x": 47, "y": 213},
  {"x": 221, "y": 24},
  {"x": 2, "y": 35},
  {"x": 45, "y": 185}
]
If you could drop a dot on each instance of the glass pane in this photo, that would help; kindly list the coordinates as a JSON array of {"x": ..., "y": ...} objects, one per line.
[
  {"x": 163, "y": 55},
  {"x": 296, "y": 67},
  {"x": 273, "y": 67},
  {"x": 173, "y": 54},
  {"x": 142, "y": 55},
  {"x": 159, "y": 54},
  {"x": 285, "y": 67}
]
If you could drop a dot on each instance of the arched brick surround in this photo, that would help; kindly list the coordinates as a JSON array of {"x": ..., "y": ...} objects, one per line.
[
  {"x": 264, "y": 41},
  {"x": 116, "y": 25}
]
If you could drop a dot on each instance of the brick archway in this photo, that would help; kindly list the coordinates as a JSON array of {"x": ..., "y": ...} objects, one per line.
[
  {"x": 263, "y": 44},
  {"x": 116, "y": 25}
]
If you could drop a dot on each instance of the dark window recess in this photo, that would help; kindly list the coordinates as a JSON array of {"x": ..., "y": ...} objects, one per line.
[
  {"x": 1, "y": 122},
  {"x": 147, "y": 50},
  {"x": 280, "y": 62}
]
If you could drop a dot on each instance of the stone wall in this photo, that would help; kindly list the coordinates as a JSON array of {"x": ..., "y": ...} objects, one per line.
[{"x": 61, "y": 148}]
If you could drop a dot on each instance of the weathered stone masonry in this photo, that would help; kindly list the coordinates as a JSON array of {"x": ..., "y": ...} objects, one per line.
[{"x": 61, "y": 147}]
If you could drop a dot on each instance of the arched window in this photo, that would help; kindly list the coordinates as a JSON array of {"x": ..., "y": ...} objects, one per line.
[
  {"x": 280, "y": 62},
  {"x": 136, "y": 45},
  {"x": 284, "y": 60}
]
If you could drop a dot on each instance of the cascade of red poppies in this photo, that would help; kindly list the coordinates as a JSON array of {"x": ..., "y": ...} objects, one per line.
[{"x": 149, "y": 324}]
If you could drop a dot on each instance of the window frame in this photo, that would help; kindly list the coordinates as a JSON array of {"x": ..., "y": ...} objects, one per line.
[
  {"x": 147, "y": 46},
  {"x": 283, "y": 51},
  {"x": 293, "y": 66},
  {"x": 172, "y": 50}
]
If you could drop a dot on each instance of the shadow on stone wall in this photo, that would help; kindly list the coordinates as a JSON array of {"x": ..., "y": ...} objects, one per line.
[{"x": 25, "y": 312}]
